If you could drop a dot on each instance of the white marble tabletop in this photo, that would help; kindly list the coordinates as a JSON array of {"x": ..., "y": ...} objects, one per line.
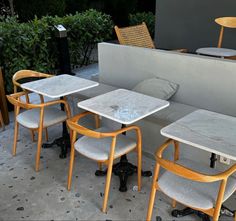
[
  {"x": 59, "y": 86},
  {"x": 206, "y": 130},
  {"x": 123, "y": 106}
]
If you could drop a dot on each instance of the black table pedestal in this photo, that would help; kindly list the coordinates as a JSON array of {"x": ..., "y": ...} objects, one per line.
[
  {"x": 123, "y": 169},
  {"x": 63, "y": 141},
  {"x": 188, "y": 211}
]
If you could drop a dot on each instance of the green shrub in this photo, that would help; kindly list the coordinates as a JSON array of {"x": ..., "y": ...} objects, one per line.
[
  {"x": 147, "y": 17},
  {"x": 33, "y": 45}
]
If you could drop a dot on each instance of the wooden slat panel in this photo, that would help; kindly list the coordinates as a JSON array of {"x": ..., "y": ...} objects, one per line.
[{"x": 3, "y": 102}]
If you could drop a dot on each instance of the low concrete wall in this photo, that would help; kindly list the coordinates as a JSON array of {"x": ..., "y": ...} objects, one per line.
[{"x": 205, "y": 82}]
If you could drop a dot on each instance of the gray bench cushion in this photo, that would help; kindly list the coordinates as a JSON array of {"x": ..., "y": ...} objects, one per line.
[
  {"x": 191, "y": 193},
  {"x": 30, "y": 118},
  {"x": 171, "y": 114},
  {"x": 99, "y": 149}
]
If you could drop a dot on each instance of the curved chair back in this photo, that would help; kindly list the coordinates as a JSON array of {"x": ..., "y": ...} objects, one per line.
[
  {"x": 24, "y": 74},
  {"x": 225, "y": 22},
  {"x": 137, "y": 35}
]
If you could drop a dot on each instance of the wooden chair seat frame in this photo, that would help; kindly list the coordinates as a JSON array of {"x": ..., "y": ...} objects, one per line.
[
  {"x": 24, "y": 74},
  {"x": 78, "y": 129},
  {"x": 189, "y": 174},
  {"x": 18, "y": 104}
]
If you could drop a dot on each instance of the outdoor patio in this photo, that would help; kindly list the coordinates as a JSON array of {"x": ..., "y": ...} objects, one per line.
[{"x": 27, "y": 195}]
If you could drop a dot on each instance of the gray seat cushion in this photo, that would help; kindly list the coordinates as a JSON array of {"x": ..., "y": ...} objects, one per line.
[
  {"x": 30, "y": 118},
  {"x": 172, "y": 113},
  {"x": 99, "y": 149},
  {"x": 191, "y": 193},
  {"x": 219, "y": 52}
]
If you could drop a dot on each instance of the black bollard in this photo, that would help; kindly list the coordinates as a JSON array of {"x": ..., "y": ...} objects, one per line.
[{"x": 63, "y": 49}]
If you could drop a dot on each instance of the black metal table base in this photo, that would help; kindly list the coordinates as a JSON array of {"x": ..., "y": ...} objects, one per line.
[
  {"x": 62, "y": 142},
  {"x": 188, "y": 211},
  {"x": 123, "y": 170}
]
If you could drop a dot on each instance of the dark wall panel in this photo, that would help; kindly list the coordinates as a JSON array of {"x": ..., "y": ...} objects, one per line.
[{"x": 190, "y": 23}]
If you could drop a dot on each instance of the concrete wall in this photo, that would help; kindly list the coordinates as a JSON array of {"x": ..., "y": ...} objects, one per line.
[{"x": 190, "y": 23}]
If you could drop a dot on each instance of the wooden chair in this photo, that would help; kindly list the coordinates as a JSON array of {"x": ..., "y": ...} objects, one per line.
[
  {"x": 203, "y": 191},
  {"x": 224, "y": 22},
  {"x": 31, "y": 97},
  {"x": 102, "y": 146},
  {"x": 137, "y": 35},
  {"x": 36, "y": 117}
]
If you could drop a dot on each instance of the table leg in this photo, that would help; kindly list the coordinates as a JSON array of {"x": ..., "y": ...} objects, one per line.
[{"x": 123, "y": 169}]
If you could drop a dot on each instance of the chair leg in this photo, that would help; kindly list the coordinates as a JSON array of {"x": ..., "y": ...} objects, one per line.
[
  {"x": 173, "y": 203},
  {"x": 32, "y": 135},
  {"x": 139, "y": 169},
  {"x": 15, "y": 138},
  {"x": 46, "y": 134},
  {"x": 72, "y": 157},
  {"x": 153, "y": 193},
  {"x": 107, "y": 186},
  {"x": 100, "y": 166},
  {"x": 37, "y": 162}
]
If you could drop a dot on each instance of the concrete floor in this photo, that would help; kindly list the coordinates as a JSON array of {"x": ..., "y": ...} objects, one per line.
[{"x": 27, "y": 195}]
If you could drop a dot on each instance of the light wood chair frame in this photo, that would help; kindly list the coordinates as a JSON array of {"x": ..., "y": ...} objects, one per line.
[
  {"x": 78, "y": 129},
  {"x": 189, "y": 174},
  {"x": 24, "y": 74},
  {"x": 18, "y": 104}
]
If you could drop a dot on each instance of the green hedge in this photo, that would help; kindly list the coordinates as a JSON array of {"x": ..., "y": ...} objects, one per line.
[
  {"x": 147, "y": 17},
  {"x": 32, "y": 45}
]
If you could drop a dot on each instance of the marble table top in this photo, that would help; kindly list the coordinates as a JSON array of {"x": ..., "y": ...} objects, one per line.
[
  {"x": 206, "y": 130},
  {"x": 59, "y": 86},
  {"x": 123, "y": 106}
]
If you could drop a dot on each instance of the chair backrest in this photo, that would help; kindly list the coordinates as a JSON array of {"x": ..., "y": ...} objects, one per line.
[
  {"x": 24, "y": 74},
  {"x": 137, "y": 35},
  {"x": 225, "y": 22}
]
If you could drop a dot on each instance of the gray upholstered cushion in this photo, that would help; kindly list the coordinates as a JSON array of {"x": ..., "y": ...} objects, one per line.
[
  {"x": 157, "y": 87},
  {"x": 219, "y": 52},
  {"x": 30, "y": 118},
  {"x": 99, "y": 149},
  {"x": 194, "y": 194}
]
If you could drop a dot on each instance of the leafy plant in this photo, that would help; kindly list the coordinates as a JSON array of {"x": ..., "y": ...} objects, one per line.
[
  {"x": 147, "y": 17},
  {"x": 33, "y": 45}
]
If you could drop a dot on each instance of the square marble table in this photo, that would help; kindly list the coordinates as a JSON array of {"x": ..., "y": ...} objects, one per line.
[
  {"x": 123, "y": 106},
  {"x": 209, "y": 131},
  {"x": 59, "y": 86},
  {"x": 206, "y": 130}
]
